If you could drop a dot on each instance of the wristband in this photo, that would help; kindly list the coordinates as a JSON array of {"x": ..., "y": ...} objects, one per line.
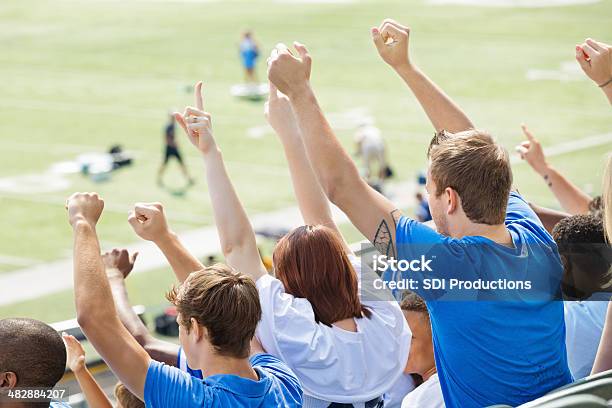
[{"x": 608, "y": 82}]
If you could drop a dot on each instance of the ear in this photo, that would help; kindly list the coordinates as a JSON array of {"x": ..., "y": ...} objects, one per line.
[
  {"x": 8, "y": 379},
  {"x": 453, "y": 200},
  {"x": 197, "y": 330}
]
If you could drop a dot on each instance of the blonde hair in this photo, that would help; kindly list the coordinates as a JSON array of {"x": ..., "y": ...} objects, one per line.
[{"x": 607, "y": 199}]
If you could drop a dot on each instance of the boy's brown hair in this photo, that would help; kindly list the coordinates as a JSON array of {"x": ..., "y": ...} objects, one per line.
[
  {"x": 126, "y": 399},
  {"x": 225, "y": 302},
  {"x": 477, "y": 168}
]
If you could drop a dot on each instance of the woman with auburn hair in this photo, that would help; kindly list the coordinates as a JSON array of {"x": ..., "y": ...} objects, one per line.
[{"x": 344, "y": 349}]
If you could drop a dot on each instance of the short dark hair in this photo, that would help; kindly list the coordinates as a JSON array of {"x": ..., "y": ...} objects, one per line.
[
  {"x": 411, "y": 302},
  {"x": 225, "y": 302},
  {"x": 33, "y": 350},
  {"x": 477, "y": 168},
  {"x": 583, "y": 250}
]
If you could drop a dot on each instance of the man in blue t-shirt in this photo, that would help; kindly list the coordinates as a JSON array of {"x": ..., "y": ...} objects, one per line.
[
  {"x": 490, "y": 347},
  {"x": 218, "y": 311}
]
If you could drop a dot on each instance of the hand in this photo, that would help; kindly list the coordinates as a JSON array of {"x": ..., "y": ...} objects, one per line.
[
  {"x": 531, "y": 151},
  {"x": 391, "y": 40},
  {"x": 595, "y": 59},
  {"x": 75, "y": 354},
  {"x": 197, "y": 123},
  {"x": 85, "y": 207},
  {"x": 289, "y": 74},
  {"x": 279, "y": 114},
  {"x": 149, "y": 222},
  {"x": 119, "y": 261}
]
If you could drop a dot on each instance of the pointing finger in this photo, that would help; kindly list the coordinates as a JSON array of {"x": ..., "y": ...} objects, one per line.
[{"x": 198, "y": 96}]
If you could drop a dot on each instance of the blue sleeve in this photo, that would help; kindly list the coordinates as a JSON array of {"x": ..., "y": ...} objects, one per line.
[
  {"x": 167, "y": 386},
  {"x": 436, "y": 256},
  {"x": 292, "y": 388},
  {"x": 518, "y": 210}
]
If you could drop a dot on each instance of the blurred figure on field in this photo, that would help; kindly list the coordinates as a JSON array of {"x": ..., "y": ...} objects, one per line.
[
  {"x": 172, "y": 151},
  {"x": 249, "y": 52},
  {"x": 370, "y": 146},
  {"x": 422, "y": 209}
]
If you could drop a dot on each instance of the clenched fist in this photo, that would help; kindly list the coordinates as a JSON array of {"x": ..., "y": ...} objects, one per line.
[
  {"x": 197, "y": 123},
  {"x": 149, "y": 222},
  {"x": 119, "y": 261},
  {"x": 85, "y": 207},
  {"x": 391, "y": 40},
  {"x": 595, "y": 59},
  {"x": 290, "y": 74}
]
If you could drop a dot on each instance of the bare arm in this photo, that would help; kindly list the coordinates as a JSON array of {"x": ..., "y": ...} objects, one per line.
[
  {"x": 149, "y": 222},
  {"x": 118, "y": 265},
  {"x": 369, "y": 211},
  {"x": 572, "y": 199},
  {"x": 95, "y": 309},
  {"x": 391, "y": 40},
  {"x": 235, "y": 231},
  {"x": 548, "y": 217},
  {"x": 95, "y": 397},
  {"x": 603, "y": 359},
  {"x": 311, "y": 199}
]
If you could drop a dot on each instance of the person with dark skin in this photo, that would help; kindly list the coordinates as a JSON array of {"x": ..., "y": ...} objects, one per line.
[{"x": 172, "y": 150}]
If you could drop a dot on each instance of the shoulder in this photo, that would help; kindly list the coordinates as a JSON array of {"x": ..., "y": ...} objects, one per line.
[{"x": 274, "y": 367}]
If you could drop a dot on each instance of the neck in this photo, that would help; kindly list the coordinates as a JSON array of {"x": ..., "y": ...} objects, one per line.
[
  {"x": 229, "y": 365},
  {"x": 496, "y": 233},
  {"x": 427, "y": 374}
]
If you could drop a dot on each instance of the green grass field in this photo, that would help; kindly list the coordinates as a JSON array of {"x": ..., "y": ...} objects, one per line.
[{"x": 80, "y": 75}]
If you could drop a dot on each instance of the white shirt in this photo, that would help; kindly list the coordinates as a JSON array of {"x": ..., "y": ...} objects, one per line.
[
  {"x": 333, "y": 364},
  {"x": 584, "y": 323},
  {"x": 370, "y": 140},
  {"x": 426, "y": 395},
  {"x": 397, "y": 392}
]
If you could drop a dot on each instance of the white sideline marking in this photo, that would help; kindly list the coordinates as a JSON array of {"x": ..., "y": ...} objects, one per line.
[
  {"x": 513, "y": 3},
  {"x": 17, "y": 261},
  {"x": 568, "y": 71}
]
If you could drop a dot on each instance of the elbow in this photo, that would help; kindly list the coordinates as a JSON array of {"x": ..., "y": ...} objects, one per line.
[{"x": 85, "y": 319}]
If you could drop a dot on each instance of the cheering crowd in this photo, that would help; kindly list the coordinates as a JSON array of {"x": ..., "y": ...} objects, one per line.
[{"x": 307, "y": 335}]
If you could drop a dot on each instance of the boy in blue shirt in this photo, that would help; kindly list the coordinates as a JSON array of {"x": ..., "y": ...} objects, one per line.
[
  {"x": 506, "y": 348},
  {"x": 218, "y": 311}
]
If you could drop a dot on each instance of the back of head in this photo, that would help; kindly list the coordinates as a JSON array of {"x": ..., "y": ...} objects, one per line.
[
  {"x": 225, "y": 302},
  {"x": 477, "y": 168},
  {"x": 126, "y": 399},
  {"x": 585, "y": 255},
  {"x": 32, "y": 350},
  {"x": 311, "y": 263}
]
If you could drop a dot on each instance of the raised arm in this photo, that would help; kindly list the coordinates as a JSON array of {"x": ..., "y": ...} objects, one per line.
[
  {"x": 118, "y": 265},
  {"x": 235, "y": 231},
  {"x": 572, "y": 199},
  {"x": 95, "y": 309},
  {"x": 595, "y": 59},
  {"x": 311, "y": 199},
  {"x": 75, "y": 359},
  {"x": 149, "y": 222},
  {"x": 369, "y": 211},
  {"x": 603, "y": 359},
  {"x": 391, "y": 40}
]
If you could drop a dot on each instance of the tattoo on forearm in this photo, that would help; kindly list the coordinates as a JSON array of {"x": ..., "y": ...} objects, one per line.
[
  {"x": 383, "y": 239},
  {"x": 547, "y": 180}
]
